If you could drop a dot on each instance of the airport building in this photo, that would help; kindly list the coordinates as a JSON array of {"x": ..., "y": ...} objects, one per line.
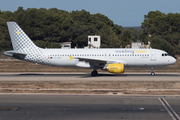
[
  {"x": 66, "y": 45},
  {"x": 94, "y": 41}
]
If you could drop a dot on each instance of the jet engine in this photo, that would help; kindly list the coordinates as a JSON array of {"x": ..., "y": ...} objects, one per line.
[{"x": 114, "y": 68}]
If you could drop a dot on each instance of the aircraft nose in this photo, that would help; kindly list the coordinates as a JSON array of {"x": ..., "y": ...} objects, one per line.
[{"x": 173, "y": 60}]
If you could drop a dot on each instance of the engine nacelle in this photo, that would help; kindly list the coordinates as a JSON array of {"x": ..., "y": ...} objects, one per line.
[{"x": 114, "y": 68}]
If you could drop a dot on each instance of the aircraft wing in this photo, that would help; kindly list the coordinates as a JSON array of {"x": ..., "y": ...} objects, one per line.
[
  {"x": 98, "y": 62},
  {"x": 91, "y": 60}
]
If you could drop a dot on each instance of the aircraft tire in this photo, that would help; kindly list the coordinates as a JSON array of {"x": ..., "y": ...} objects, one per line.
[
  {"x": 94, "y": 73},
  {"x": 153, "y": 74}
]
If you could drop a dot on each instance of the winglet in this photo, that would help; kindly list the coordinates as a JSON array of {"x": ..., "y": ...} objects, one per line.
[{"x": 71, "y": 57}]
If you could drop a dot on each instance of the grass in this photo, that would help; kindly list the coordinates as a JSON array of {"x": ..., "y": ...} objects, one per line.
[{"x": 93, "y": 87}]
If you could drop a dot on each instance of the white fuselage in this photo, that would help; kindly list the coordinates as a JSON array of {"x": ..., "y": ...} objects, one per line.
[{"x": 130, "y": 57}]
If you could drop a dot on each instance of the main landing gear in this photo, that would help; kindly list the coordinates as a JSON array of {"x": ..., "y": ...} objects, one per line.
[
  {"x": 152, "y": 71},
  {"x": 94, "y": 73}
]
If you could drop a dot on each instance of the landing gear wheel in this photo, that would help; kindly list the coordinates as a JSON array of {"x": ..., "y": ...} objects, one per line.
[
  {"x": 94, "y": 73},
  {"x": 152, "y": 73}
]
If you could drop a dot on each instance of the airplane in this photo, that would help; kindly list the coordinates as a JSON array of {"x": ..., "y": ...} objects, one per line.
[{"x": 110, "y": 59}]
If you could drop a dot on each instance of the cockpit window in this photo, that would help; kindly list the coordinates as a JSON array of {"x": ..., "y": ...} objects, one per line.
[{"x": 165, "y": 54}]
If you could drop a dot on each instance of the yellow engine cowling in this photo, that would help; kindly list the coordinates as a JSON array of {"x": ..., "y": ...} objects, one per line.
[{"x": 114, "y": 68}]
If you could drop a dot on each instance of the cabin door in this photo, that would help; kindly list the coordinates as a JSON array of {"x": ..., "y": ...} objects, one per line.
[{"x": 153, "y": 55}]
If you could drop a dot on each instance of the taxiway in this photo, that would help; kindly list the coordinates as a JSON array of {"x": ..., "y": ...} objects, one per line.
[{"x": 85, "y": 107}]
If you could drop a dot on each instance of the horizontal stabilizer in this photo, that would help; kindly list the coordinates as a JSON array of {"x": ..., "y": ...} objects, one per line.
[{"x": 12, "y": 52}]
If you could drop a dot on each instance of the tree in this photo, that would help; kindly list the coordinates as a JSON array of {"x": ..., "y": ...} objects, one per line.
[
  {"x": 126, "y": 38},
  {"x": 49, "y": 27},
  {"x": 162, "y": 26},
  {"x": 163, "y": 45}
]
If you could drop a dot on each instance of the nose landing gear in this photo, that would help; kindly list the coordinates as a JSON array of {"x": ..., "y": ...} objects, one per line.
[{"x": 152, "y": 71}]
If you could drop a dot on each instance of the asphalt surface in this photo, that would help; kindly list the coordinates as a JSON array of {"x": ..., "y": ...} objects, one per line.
[
  {"x": 85, "y": 107},
  {"x": 86, "y": 76}
]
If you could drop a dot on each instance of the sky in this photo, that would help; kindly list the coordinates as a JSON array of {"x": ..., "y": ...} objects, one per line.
[{"x": 126, "y": 13}]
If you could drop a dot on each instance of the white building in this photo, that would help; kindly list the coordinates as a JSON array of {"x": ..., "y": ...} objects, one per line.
[
  {"x": 94, "y": 41},
  {"x": 65, "y": 45},
  {"x": 136, "y": 45}
]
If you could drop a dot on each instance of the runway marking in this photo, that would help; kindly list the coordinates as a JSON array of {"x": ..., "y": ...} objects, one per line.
[{"x": 171, "y": 112}]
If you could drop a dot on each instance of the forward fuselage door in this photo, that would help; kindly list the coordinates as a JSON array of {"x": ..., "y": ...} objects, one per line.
[{"x": 153, "y": 55}]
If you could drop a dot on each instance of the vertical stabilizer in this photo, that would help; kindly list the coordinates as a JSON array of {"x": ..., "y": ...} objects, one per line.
[
  {"x": 19, "y": 38},
  {"x": 23, "y": 47}
]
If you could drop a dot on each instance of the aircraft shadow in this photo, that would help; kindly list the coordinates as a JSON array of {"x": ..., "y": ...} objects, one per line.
[
  {"x": 133, "y": 75},
  {"x": 89, "y": 75}
]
